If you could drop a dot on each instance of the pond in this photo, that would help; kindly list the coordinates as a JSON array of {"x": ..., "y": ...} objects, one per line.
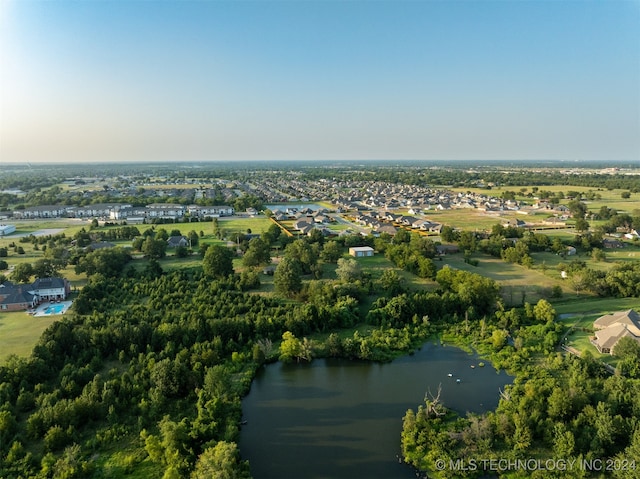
[{"x": 342, "y": 419}]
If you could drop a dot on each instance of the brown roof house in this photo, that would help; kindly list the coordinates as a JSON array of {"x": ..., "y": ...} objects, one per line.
[{"x": 610, "y": 328}]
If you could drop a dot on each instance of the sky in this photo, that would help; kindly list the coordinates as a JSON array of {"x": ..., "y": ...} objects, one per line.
[{"x": 144, "y": 80}]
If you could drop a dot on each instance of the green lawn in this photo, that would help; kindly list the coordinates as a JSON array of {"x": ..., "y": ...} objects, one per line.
[
  {"x": 257, "y": 225},
  {"x": 590, "y": 305},
  {"x": 468, "y": 219},
  {"x": 514, "y": 279},
  {"x": 20, "y": 332}
]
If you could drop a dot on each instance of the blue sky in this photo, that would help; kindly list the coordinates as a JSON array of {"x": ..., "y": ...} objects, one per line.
[{"x": 302, "y": 80}]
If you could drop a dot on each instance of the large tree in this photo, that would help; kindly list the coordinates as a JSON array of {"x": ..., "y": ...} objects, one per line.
[
  {"x": 221, "y": 461},
  {"x": 257, "y": 253},
  {"x": 218, "y": 262},
  {"x": 348, "y": 270},
  {"x": 47, "y": 267},
  {"x": 154, "y": 248},
  {"x": 22, "y": 272},
  {"x": 331, "y": 251},
  {"x": 286, "y": 278},
  {"x": 306, "y": 254}
]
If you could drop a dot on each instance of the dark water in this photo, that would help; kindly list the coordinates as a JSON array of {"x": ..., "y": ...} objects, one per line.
[{"x": 342, "y": 419}]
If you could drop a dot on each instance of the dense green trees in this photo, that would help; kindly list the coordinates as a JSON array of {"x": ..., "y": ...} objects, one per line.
[
  {"x": 413, "y": 255},
  {"x": 305, "y": 254},
  {"x": 171, "y": 337},
  {"x": 221, "y": 461},
  {"x": 472, "y": 289},
  {"x": 109, "y": 262},
  {"x": 348, "y": 270}
]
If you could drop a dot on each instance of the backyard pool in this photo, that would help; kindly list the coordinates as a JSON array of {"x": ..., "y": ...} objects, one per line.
[{"x": 53, "y": 308}]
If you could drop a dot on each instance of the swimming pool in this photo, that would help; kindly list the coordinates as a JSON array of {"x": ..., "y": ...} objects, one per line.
[{"x": 55, "y": 309}]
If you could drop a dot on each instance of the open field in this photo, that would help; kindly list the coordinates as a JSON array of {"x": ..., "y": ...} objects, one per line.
[
  {"x": 20, "y": 332},
  {"x": 590, "y": 305},
  {"x": 514, "y": 279},
  {"x": 468, "y": 219},
  {"x": 257, "y": 225}
]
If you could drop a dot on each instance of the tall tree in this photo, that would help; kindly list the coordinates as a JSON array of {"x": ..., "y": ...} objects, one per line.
[
  {"x": 154, "y": 248},
  {"x": 290, "y": 348},
  {"x": 331, "y": 252},
  {"x": 218, "y": 262},
  {"x": 22, "y": 272},
  {"x": 348, "y": 270},
  {"x": 286, "y": 278},
  {"x": 304, "y": 253},
  {"x": 257, "y": 253}
]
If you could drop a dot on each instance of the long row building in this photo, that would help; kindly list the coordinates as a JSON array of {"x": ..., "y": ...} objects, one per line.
[{"x": 124, "y": 211}]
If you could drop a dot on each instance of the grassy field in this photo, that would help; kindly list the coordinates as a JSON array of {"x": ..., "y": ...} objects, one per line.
[
  {"x": 20, "y": 332},
  {"x": 516, "y": 281},
  {"x": 257, "y": 225},
  {"x": 468, "y": 219},
  {"x": 599, "y": 306}
]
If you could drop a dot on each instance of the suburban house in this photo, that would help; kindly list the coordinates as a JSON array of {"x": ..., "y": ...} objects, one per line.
[
  {"x": 610, "y": 328},
  {"x": 612, "y": 243},
  {"x": 19, "y": 297},
  {"x": 100, "y": 245},
  {"x": 16, "y": 297},
  {"x": 389, "y": 229},
  {"x": 515, "y": 223},
  {"x": 361, "y": 251},
  {"x": 177, "y": 241},
  {"x": 444, "y": 249}
]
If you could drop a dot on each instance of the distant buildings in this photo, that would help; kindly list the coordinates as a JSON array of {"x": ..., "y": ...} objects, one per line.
[{"x": 124, "y": 211}]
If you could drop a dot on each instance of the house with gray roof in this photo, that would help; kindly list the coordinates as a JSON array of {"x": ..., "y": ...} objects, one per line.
[
  {"x": 19, "y": 297},
  {"x": 611, "y": 328}
]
